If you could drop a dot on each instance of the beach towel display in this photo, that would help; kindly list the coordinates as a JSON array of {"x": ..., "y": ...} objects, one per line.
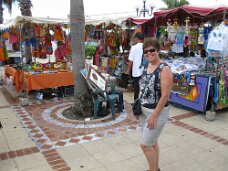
[
  {"x": 197, "y": 97},
  {"x": 181, "y": 83},
  {"x": 223, "y": 87},
  {"x": 226, "y": 81}
]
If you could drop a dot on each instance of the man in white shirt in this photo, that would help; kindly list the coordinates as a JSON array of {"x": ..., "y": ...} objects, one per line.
[{"x": 135, "y": 60}]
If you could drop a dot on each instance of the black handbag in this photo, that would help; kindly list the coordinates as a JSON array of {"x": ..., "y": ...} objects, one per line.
[{"x": 136, "y": 108}]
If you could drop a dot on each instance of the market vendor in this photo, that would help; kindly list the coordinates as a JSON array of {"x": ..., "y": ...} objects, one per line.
[{"x": 60, "y": 52}]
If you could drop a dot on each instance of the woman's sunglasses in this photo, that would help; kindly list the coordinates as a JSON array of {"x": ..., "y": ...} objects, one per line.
[{"x": 149, "y": 50}]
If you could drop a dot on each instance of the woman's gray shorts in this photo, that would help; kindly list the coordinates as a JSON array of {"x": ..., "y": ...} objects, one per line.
[{"x": 148, "y": 136}]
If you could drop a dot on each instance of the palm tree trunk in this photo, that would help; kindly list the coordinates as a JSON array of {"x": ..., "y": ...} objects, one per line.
[
  {"x": 1, "y": 12},
  {"x": 83, "y": 102},
  {"x": 25, "y": 7}
]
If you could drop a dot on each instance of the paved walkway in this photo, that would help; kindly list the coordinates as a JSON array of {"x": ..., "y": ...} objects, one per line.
[{"x": 39, "y": 138}]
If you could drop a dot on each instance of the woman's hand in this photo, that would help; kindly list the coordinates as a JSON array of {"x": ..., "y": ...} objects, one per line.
[{"x": 151, "y": 122}]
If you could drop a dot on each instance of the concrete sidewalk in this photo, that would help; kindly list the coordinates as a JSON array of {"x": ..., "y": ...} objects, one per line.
[{"x": 28, "y": 141}]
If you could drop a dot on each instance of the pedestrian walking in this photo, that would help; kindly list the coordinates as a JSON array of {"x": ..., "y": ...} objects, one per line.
[{"x": 134, "y": 65}]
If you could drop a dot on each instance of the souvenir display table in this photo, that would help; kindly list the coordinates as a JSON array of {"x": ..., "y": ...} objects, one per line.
[
  {"x": 190, "y": 86},
  {"x": 198, "y": 88},
  {"x": 197, "y": 97},
  {"x": 40, "y": 81}
]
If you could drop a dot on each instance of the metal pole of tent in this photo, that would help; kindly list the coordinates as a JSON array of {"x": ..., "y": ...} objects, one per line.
[
  {"x": 1, "y": 72},
  {"x": 24, "y": 97}
]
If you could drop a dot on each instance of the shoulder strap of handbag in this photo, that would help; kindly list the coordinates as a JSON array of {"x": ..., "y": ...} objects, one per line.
[
  {"x": 148, "y": 84},
  {"x": 145, "y": 88},
  {"x": 141, "y": 61}
]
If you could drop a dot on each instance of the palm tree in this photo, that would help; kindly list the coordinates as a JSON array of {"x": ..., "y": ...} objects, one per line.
[
  {"x": 175, "y": 3},
  {"x": 8, "y": 4},
  {"x": 25, "y": 7},
  {"x": 83, "y": 102}
]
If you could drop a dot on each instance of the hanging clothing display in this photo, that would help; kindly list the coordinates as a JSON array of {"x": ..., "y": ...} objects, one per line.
[
  {"x": 58, "y": 33},
  {"x": 218, "y": 41},
  {"x": 13, "y": 37},
  {"x": 3, "y": 51}
]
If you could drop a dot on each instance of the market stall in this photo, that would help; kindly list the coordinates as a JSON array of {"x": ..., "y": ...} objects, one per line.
[
  {"x": 197, "y": 16},
  {"x": 113, "y": 39},
  {"x": 31, "y": 35},
  {"x": 185, "y": 33}
]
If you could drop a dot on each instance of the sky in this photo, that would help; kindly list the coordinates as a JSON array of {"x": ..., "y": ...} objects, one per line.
[{"x": 98, "y": 8}]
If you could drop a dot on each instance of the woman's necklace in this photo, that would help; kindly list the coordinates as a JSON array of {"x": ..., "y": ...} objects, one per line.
[{"x": 151, "y": 68}]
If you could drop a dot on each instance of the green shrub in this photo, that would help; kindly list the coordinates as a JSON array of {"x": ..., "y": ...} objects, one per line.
[{"x": 89, "y": 51}]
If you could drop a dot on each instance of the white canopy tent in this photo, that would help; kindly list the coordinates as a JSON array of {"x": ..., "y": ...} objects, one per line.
[
  {"x": 22, "y": 19},
  {"x": 107, "y": 21}
]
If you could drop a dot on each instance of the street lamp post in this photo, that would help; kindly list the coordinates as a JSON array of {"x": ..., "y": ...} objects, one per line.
[{"x": 144, "y": 10}]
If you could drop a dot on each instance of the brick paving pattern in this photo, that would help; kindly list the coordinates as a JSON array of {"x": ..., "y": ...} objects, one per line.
[{"x": 50, "y": 130}]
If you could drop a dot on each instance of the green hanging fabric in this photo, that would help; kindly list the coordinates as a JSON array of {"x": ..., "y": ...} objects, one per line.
[{"x": 5, "y": 52}]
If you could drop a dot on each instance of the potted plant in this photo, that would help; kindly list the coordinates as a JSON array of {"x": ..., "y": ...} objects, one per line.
[{"x": 89, "y": 51}]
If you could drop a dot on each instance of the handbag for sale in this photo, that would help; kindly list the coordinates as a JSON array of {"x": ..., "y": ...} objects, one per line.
[{"x": 136, "y": 108}]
